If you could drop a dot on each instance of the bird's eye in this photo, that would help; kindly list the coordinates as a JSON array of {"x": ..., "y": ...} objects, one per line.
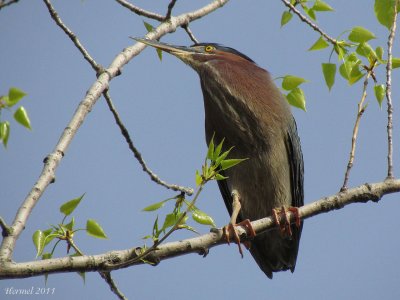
[{"x": 209, "y": 48}]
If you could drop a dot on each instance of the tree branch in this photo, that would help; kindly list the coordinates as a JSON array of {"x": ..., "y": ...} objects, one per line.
[
  {"x": 141, "y": 12},
  {"x": 85, "y": 106},
  {"x": 389, "y": 94},
  {"x": 169, "y": 10},
  {"x": 360, "y": 111},
  {"x": 114, "y": 259},
  {"x": 308, "y": 22},
  {"x": 4, "y": 3},
  {"x": 72, "y": 36},
  {"x": 138, "y": 155},
  {"x": 190, "y": 33}
]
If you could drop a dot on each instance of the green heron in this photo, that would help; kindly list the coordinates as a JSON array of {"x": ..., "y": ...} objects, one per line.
[{"x": 245, "y": 108}]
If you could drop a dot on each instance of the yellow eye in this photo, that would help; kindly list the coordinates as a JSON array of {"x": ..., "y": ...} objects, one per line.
[{"x": 209, "y": 48}]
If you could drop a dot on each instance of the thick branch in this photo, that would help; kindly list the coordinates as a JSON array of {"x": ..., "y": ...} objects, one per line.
[
  {"x": 95, "y": 91},
  {"x": 108, "y": 261}
]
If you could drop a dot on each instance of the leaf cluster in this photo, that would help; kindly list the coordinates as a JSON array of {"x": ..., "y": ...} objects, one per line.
[{"x": 20, "y": 114}]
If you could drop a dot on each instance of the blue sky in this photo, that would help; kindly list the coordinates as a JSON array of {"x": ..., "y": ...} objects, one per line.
[{"x": 351, "y": 253}]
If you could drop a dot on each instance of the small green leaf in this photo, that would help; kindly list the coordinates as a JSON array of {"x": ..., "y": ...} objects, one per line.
[
  {"x": 360, "y": 35},
  {"x": 199, "y": 179},
  {"x": 68, "y": 207},
  {"x": 4, "y": 132},
  {"x": 222, "y": 157},
  {"x": 320, "y": 5},
  {"x": 148, "y": 26},
  {"x": 14, "y": 96},
  {"x": 310, "y": 12},
  {"x": 21, "y": 116},
  {"x": 379, "y": 53},
  {"x": 46, "y": 255},
  {"x": 171, "y": 219},
  {"x": 384, "y": 12},
  {"x": 217, "y": 150},
  {"x": 286, "y": 17},
  {"x": 154, "y": 206},
  {"x": 329, "y": 71},
  {"x": 395, "y": 62},
  {"x": 38, "y": 240},
  {"x": 95, "y": 230},
  {"x": 229, "y": 163},
  {"x": 297, "y": 99},
  {"x": 220, "y": 177},
  {"x": 364, "y": 49},
  {"x": 290, "y": 82},
  {"x": 202, "y": 218},
  {"x": 319, "y": 44},
  {"x": 70, "y": 225},
  {"x": 380, "y": 93},
  {"x": 210, "y": 152},
  {"x": 340, "y": 50}
]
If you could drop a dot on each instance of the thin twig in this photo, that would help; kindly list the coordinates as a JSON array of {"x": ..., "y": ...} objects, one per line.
[
  {"x": 309, "y": 22},
  {"x": 138, "y": 156},
  {"x": 141, "y": 12},
  {"x": 6, "y": 230},
  {"x": 169, "y": 11},
  {"x": 190, "y": 33},
  {"x": 4, "y": 3},
  {"x": 72, "y": 36},
  {"x": 360, "y": 111},
  {"x": 389, "y": 94}
]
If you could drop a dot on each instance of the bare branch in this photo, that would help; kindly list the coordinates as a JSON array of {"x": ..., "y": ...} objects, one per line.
[
  {"x": 107, "y": 277},
  {"x": 5, "y": 3},
  {"x": 138, "y": 156},
  {"x": 360, "y": 111},
  {"x": 169, "y": 11},
  {"x": 389, "y": 93},
  {"x": 190, "y": 33},
  {"x": 72, "y": 36},
  {"x": 141, "y": 12},
  {"x": 308, "y": 21},
  {"x": 85, "y": 106},
  {"x": 114, "y": 259},
  {"x": 6, "y": 230}
]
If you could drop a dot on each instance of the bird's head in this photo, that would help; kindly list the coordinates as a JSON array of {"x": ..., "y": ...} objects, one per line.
[{"x": 198, "y": 54}]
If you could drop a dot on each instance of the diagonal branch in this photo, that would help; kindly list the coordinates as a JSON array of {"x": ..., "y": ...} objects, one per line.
[
  {"x": 85, "y": 106},
  {"x": 5, "y": 3},
  {"x": 389, "y": 93},
  {"x": 114, "y": 259},
  {"x": 141, "y": 12},
  {"x": 138, "y": 155}
]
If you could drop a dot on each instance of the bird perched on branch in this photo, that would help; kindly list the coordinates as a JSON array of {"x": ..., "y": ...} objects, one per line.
[{"x": 244, "y": 107}]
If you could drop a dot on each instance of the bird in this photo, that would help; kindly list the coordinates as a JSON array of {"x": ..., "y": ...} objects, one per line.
[{"x": 244, "y": 108}]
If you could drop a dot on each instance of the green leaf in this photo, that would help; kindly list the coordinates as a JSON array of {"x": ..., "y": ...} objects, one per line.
[
  {"x": 329, "y": 71},
  {"x": 154, "y": 206},
  {"x": 321, "y": 6},
  {"x": 395, "y": 62},
  {"x": 171, "y": 219},
  {"x": 217, "y": 150},
  {"x": 21, "y": 116},
  {"x": 229, "y": 163},
  {"x": 360, "y": 35},
  {"x": 4, "y": 132},
  {"x": 14, "y": 96},
  {"x": 384, "y": 12},
  {"x": 290, "y": 82},
  {"x": 38, "y": 240},
  {"x": 310, "y": 12},
  {"x": 148, "y": 26},
  {"x": 46, "y": 255},
  {"x": 70, "y": 225},
  {"x": 199, "y": 179},
  {"x": 297, "y": 99},
  {"x": 220, "y": 177},
  {"x": 380, "y": 92},
  {"x": 379, "y": 53},
  {"x": 202, "y": 218},
  {"x": 222, "y": 157},
  {"x": 286, "y": 17},
  {"x": 319, "y": 44},
  {"x": 95, "y": 230},
  {"x": 210, "y": 152},
  {"x": 340, "y": 50},
  {"x": 68, "y": 207}
]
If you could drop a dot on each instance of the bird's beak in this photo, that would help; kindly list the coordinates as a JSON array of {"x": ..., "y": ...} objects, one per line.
[{"x": 179, "y": 51}]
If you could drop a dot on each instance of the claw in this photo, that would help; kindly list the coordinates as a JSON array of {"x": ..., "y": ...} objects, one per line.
[
  {"x": 284, "y": 213},
  {"x": 230, "y": 231}
]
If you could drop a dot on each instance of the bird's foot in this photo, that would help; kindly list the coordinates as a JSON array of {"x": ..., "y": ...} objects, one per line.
[
  {"x": 230, "y": 232},
  {"x": 282, "y": 219}
]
